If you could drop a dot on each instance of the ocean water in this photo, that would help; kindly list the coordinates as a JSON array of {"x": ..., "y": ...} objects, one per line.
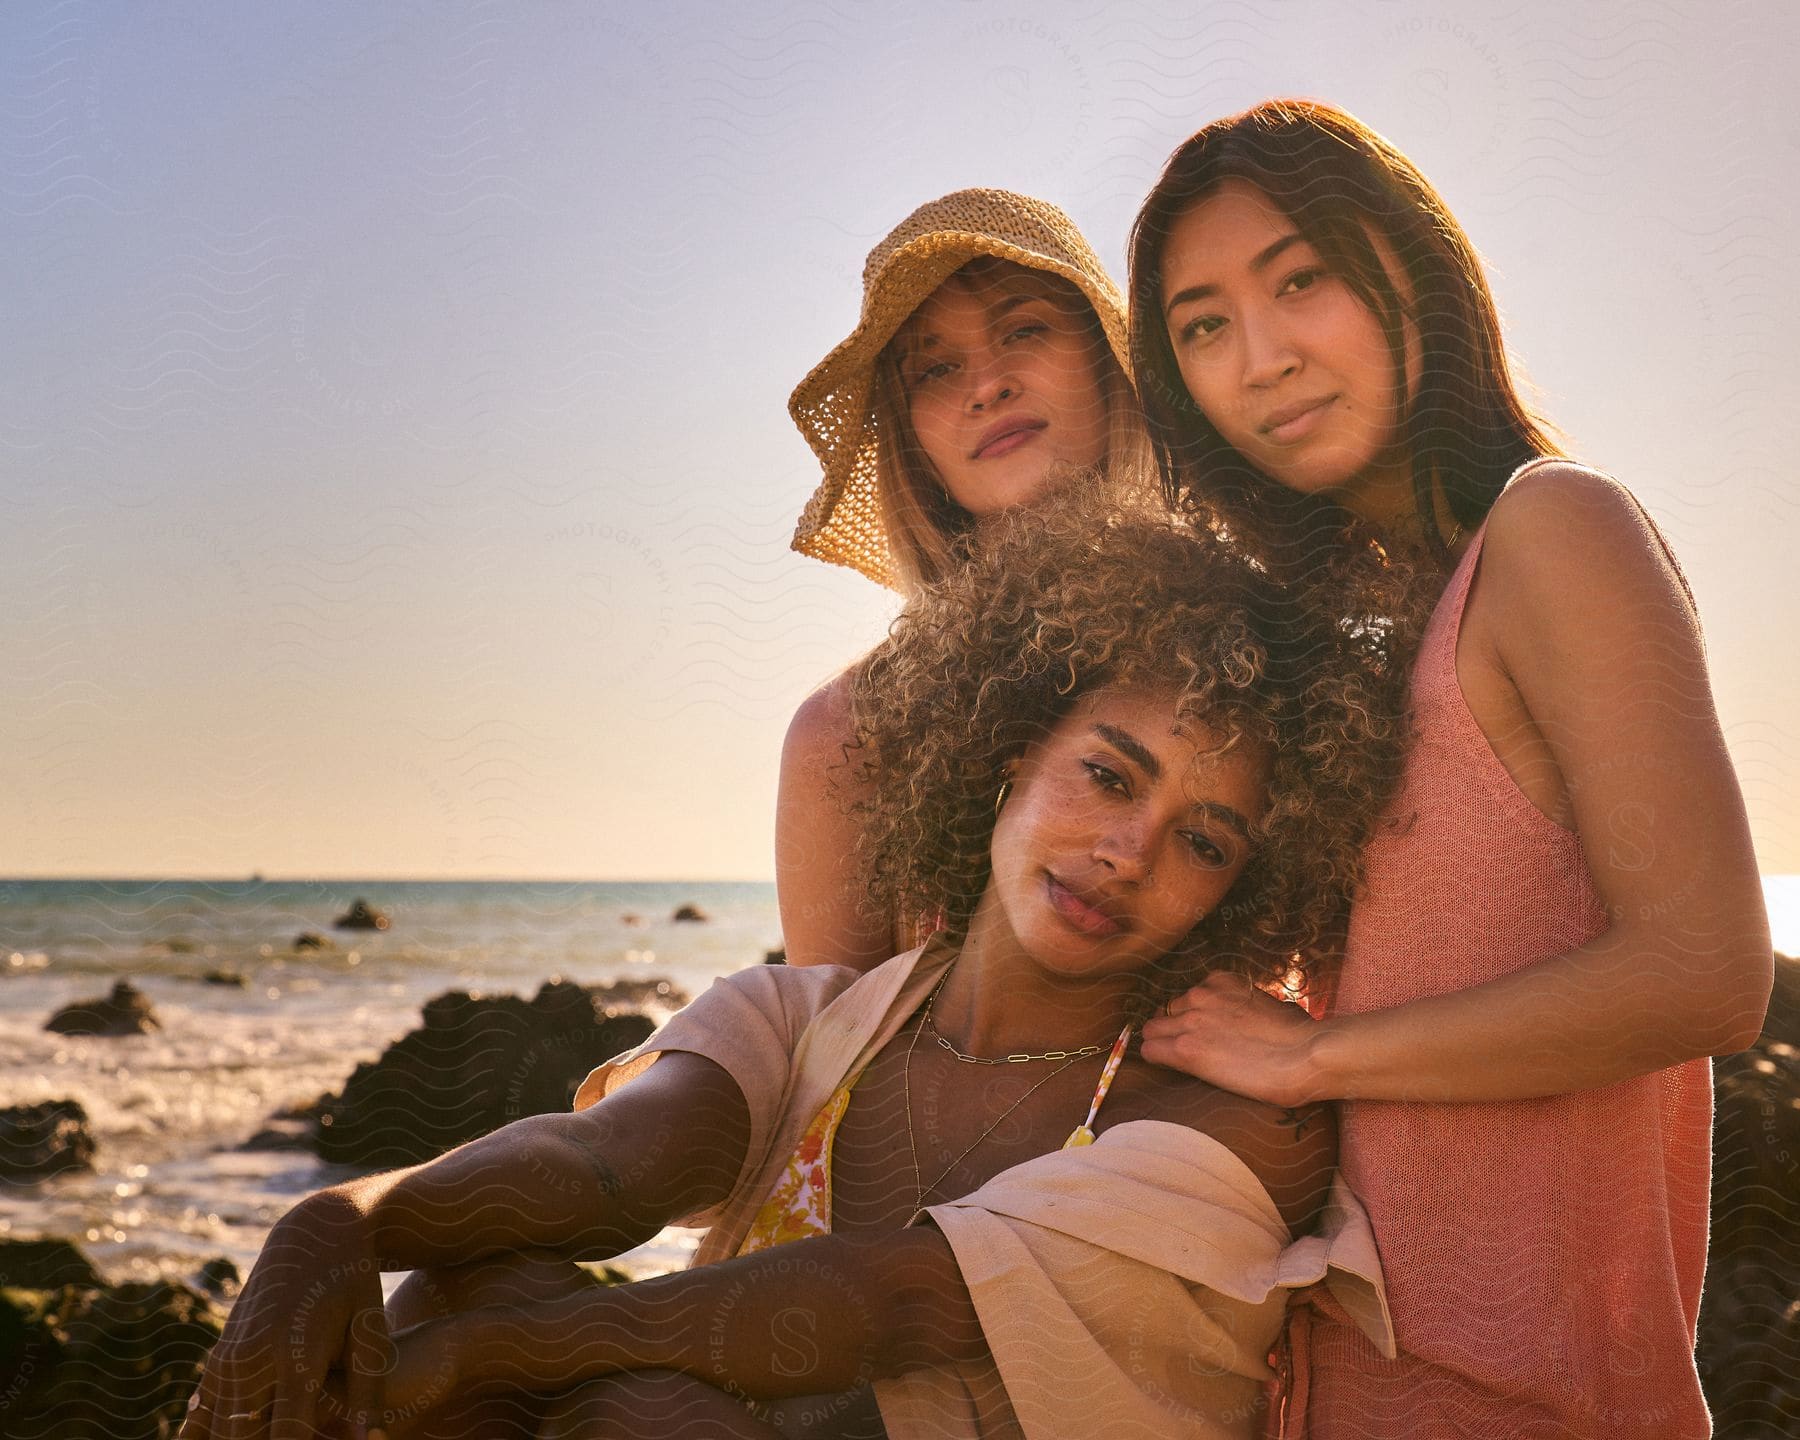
[
  {"x": 167, "y": 1110},
  {"x": 170, "y": 1190}
]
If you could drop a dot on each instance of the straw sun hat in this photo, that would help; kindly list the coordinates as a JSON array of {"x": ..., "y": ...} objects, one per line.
[{"x": 832, "y": 406}]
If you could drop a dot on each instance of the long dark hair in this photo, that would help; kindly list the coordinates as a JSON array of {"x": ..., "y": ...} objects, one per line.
[{"x": 1342, "y": 185}]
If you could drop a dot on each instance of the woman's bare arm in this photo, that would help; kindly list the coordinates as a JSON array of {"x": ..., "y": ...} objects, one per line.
[
  {"x": 825, "y": 1315},
  {"x": 818, "y": 1316},
  {"x": 584, "y": 1184},
  {"x": 1596, "y": 634},
  {"x": 823, "y": 919}
]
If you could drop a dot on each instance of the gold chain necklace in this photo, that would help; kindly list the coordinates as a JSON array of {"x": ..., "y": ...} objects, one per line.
[
  {"x": 912, "y": 1143},
  {"x": 1021, "y": 1059}
]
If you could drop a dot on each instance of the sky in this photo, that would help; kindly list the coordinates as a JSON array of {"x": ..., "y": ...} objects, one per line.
[{"x": 395, "y": 473}]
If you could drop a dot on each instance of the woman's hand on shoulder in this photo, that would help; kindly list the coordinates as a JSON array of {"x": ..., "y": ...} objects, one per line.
[
  {"x": 816, "y": 881},
  {"x": 1230, "y": 1034},
  {"x": 1249, "y": 1049}
]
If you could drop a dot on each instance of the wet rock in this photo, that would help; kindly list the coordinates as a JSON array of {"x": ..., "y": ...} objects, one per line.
[
  {"x": 690, "y": 914},
  {"x": 126, "y": 1011},
  {"x": 290, "y": 1128},
  {"x": 219, "y": 1276},
  {"x": 476, "y": 1064},
  {"x": 46, "y": 1264},
  {"x": 43, "y": 1140},
  {"x": 312, "y": 940},
  {"x": 235, "y": 978},
  {"x": 633, "y": 994},
  {"x": 104, "y": 1360},
  {"x": 777, "y": 956},
  {"x": 1750, "y": 1309},
  {"x": 282, "y": 1135},
  {"x": 361, "y": 916}
]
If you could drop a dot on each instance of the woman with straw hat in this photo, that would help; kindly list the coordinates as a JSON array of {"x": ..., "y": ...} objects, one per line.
[{"x": 991, "y": 354}]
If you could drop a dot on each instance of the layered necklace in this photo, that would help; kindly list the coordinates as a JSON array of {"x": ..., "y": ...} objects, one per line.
[{"x": 1083, "y": 1135}]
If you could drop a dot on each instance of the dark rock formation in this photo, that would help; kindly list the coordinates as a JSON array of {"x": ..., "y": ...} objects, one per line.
[
  {"x": 312, "y": 940},
  {"x": 124, "y": 1012},
  {"x": 361, "y": 916},
  {"x": 235, "y": 978},
  {"x": 1750, "y": 1311},
  {"x": 42, "y": 1140},
  {"x": 46, "y": 1264},
  {"x": 290, "y": 1128},
  {"x": 777, "y": 956},
  {"x": 219, "y": 1276},
  {"x": 691, "y": 914},
  {"x": 476, "y": 1064},
  {"x": 101, "y": 1360}
]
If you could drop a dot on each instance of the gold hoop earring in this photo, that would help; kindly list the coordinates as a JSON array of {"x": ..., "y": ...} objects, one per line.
[{"x": 1005, "y": 790}]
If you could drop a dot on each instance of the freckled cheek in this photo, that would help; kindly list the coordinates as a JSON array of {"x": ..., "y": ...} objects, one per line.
[{"x": 936, "y": 435}]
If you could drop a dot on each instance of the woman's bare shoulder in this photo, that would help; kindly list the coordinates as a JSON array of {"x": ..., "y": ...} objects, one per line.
[
  {"x": 1561, "y": 510},
  {"x": 1566, "y": 534},
  {"x": 822, "y": 720}
]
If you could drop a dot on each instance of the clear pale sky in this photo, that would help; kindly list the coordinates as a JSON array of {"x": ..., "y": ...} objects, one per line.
[{"x": 395, "y": 474}]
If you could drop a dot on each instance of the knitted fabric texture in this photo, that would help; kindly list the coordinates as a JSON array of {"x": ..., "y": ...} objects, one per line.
[
  {"x": 1543, "y": 1257},
  {"x": 842, "y": 523}
]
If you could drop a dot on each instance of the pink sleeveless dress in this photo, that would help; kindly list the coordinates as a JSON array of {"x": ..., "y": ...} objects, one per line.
[{"x": 1543, "y": 1257}]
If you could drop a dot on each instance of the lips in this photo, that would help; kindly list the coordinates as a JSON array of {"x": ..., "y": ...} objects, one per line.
[
  {"x": 1005, "y": 437},
  {"x": 1291, "y": 420},
  {"x": 1089, "y": 914}
]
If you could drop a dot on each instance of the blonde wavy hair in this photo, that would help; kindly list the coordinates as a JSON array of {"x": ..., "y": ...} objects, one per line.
[{"x": 1076, "y": 593}]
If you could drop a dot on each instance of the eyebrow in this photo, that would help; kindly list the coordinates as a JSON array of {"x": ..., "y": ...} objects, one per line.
[
  {"x": 1260, "y": 261},
  {"x": 998, "y": 311},
  {"x": 1132, "y": 748},
  {"x": 1139, "y": 754}
]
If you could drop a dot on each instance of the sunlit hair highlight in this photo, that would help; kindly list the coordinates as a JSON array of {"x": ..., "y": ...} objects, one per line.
[{"x": 1062, "y": 598}]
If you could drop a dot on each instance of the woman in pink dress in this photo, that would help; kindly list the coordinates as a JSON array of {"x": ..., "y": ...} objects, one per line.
[{"x": 1561, "y": 917}]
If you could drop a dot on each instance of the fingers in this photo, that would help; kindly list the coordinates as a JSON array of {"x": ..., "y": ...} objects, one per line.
[
  {"x": 198, "y": 1425},
  {"x": 1161, "y": 1027},
  {"x": 1220, "y": 982},
  {"x": 234, "y": 1399},
  {"x": 252, "y": 1419},
  {"x": 370, "y": 1356}
]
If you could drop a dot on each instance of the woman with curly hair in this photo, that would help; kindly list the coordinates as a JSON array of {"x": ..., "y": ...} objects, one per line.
[
  {"x": 1564, "y": 919},
  {"x": 946, "y": 1197},
  {"x": 990, "y": 355}
]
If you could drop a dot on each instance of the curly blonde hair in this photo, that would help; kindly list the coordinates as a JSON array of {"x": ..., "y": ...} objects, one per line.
[{"x": 1075, "y": 593}]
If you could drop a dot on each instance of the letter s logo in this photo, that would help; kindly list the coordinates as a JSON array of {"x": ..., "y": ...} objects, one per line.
[
  {"x": 1010, "y": 98},
  {"x": 1431, "y": 92},
  {"x": 794, "y": 1349},
  {"x": 1632, "y": 844}
]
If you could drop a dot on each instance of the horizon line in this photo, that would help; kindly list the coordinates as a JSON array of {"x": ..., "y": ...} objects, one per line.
[{"x": 258, "y": 878}]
